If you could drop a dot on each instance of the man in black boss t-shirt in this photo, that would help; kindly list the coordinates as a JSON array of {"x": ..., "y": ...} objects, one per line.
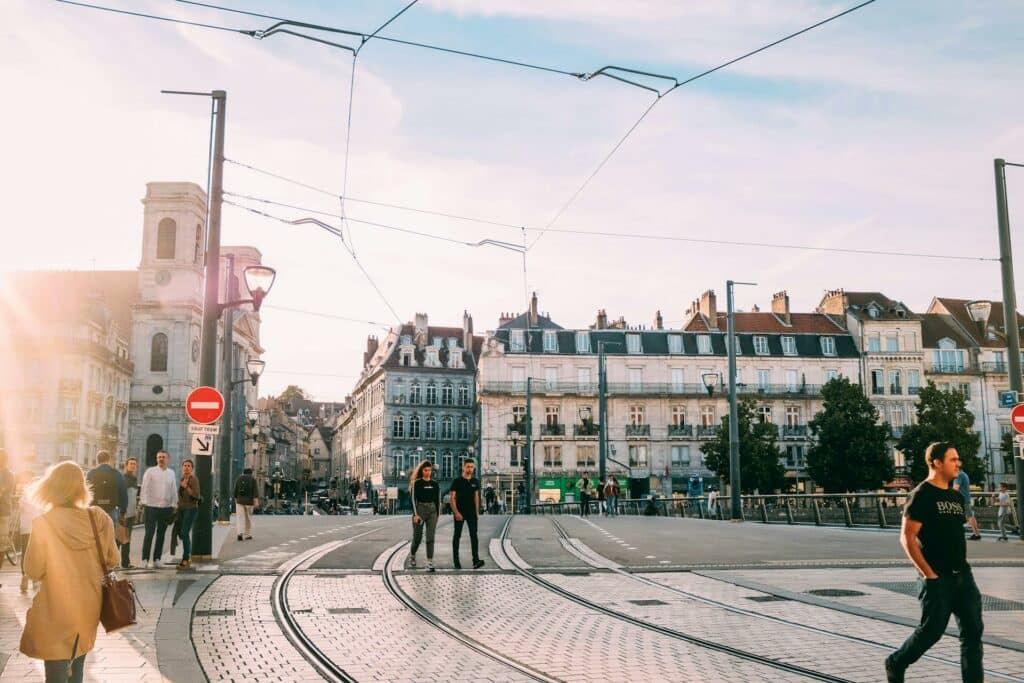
[
  {"x": 465, "y": 502},
  {"x": 933, "y": 539}
]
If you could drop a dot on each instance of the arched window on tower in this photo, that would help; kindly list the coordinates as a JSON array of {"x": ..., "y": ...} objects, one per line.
[
  {"x": 199, "y": 244},
  {"x": 166, "y": 234},
  {"x": 158, "y": 353}
]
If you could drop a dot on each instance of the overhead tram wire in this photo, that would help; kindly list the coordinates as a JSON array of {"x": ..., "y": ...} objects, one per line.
[
  {"x": 679, "y": 84},
  {"x": 620, "y": 235},
  {"x": 143, "y": 15},
  {"x": 337, "y": 233},
  {"x": 331, "y": 316}
]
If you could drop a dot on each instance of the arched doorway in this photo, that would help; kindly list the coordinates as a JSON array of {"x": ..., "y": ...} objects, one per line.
[{"x": 154, "y": 444}]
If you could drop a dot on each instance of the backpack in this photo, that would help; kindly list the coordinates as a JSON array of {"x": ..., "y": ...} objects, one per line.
[
  {"x": 104, "y": 488},
  {"x": 244, "y": 488}
]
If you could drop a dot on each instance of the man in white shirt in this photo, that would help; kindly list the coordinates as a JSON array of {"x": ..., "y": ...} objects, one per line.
[
  {"x": 158, "y": 495},
  {"x": 1005, "y": 514}
]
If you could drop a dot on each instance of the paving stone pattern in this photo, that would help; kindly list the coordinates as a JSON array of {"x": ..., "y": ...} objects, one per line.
[
  {"x": 382, "y": 640},
  {"x": 541, "y": 629}
]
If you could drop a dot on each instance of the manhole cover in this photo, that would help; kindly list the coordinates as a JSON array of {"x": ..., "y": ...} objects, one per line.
[
  {"x": 835, "y": 593},
  {"x": 215, "y": 612},
  {"x": 647, "y": 603},
  {"x": 347, "y": 610},
  {"x": 766, "y": 598}
]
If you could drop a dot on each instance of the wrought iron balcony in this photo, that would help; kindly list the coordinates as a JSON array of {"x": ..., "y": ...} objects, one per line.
[
  {"x": 515, "y": 429},
  {"x": 587, "y": 430},
  {"x": 552, "y": 430},
  {"x": 952, "y": 367},
  {"x": 638, "y": 430},
  {"x": 794, "y": 431},
  {"x": 913, "y": 391},
  {"x": 541, "y": 388},
  {"x": 896, "y": 389},
  {"x": 707, "y": 432},
  {"x": 680, "y": 430}
]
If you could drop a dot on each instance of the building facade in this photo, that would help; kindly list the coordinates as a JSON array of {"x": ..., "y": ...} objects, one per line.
[{"x": 667, "y": 392}]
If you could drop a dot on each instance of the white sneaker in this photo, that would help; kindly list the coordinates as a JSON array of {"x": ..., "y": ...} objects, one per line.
[
  {"x": 148, "y": 564},
  {"x": 173, "y": 559}
]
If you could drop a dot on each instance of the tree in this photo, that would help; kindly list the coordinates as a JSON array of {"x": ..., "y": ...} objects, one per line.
[
  {"x": 759, "y": 455},
  {"x": 291, "y": 393},
  {"x": 850, "y": 452},
  {"x": 942, "y": 416}
]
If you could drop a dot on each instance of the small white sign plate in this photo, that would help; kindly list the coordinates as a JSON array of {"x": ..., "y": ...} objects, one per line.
[
  {"x": 202, "y": 444},
  {"x": 212, "y": 430},
  {"x": 1018, "y": 438}
]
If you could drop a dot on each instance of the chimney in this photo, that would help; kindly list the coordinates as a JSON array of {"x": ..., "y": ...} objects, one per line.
[
  {"x": 533, "y": 310},
  {"x": 371, "y": 348},
  {"x": 834, "y": 302},
  {"x": 467, "y": 331},
  {"x": 421, "y": 338},
  {"x": 659, "y": 324},
  {"x": 780, "y": 306},
  {"x": 505, "y": 319},
  {"x": 755, "y": 309},
  {"x": 602, "y": 320},
  {"x": 708, "y": 309}
]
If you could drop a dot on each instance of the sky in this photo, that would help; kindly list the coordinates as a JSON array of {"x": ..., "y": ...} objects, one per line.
[{"x": 874, "y": 132}]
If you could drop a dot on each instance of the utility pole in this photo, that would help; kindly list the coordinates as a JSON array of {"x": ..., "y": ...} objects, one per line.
[
  {"x": 227, "y": 389},
  {"x": 1010, "y": 316},
  {"x": 202, "y": 536},
  {"x": 528, "y": 449},
  {"x": 602, "y": 413},
  {"x": 734, "y": 428}
]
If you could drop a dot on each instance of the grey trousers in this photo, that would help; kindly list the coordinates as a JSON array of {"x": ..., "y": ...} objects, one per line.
[{"x": 428, "y": 521}]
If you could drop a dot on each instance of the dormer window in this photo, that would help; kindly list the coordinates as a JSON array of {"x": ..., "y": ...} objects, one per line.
[
  {"x": 873, "y": 311},
  {"x": 761, "y": 345},
  {"x": 675, "y": 343},
  {"x": 453, "y": 343},
  {"x": 432, "y": 360},
  {"x": 582, "y": 342},
  {"x": 828, "y": 346},
  {"x": 517, "y": 340},
  {"x": 436, "y": 342},
  {"x": 406, "y": 340},
  {"x": 633, "y": 343},
  {"x": 789, "y": 346},
  {"x": 550, "y": 342},
  {"x": 704, "y": 343}
]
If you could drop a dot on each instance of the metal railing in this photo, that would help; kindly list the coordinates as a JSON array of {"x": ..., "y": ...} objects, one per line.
[
  {"x": 638, "y": 430},
  {"x": 585, "y": 430},
  {"x": 552, "y": 430},
  {"x": 647, "y": 389},
  {"x": 879, "y": 510},
  {"x": 680, "y": 430}
]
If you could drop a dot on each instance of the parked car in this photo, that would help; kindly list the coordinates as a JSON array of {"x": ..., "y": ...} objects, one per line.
[{"x": 364, "y": 508}]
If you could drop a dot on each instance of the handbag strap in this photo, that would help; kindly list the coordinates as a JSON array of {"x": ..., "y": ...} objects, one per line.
[{"x": 96, "y": 535}]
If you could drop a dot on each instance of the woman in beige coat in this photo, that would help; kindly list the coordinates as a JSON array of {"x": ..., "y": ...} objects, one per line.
[{"x": 60, "y": 627}]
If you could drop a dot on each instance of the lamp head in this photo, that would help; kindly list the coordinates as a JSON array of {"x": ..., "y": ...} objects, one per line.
[
  {"x": 259, "y": 280},
  {"x": 254, "y": 366}
]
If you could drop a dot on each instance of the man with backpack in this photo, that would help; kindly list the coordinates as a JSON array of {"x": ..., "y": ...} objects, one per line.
[
  {"x": 245, "y": 499},
  {"x": 108, "y": 488}
]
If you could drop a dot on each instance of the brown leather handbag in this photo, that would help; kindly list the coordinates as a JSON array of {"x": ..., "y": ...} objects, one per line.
[{"x": 117, "y": 606}]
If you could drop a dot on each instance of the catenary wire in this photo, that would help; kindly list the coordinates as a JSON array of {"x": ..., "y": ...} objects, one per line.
[
  {"x": 332, "y": 316},
  {"x": 366, "y": 274},
  {"x": 172, "y": 20},
  {"x": 679, "y": 84},
  {"x": 639, "y": 236}
]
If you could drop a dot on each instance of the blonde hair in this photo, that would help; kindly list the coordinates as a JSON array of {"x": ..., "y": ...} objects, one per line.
[
  {"x": 63, "y": 485},
  {"x": 417, "y": 473}
]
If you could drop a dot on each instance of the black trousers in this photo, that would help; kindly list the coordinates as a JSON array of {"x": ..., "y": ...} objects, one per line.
[
  {"x": 457, "y": 536},
  {"x": 156, "y": 522},
  {"x": 584, "y": 505},
  {"x": 951, "y": 594}
]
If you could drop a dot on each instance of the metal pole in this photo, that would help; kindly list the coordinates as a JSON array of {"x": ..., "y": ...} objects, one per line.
[
  {"x": 528, "y": 450},
  {"x": 1010, "y": 313},
  {"x": 202, "y": 535},
  {"x": 734, "y": 430},
  {"x": 602, "y": 412},
  {"x": 227, "y": 377}
]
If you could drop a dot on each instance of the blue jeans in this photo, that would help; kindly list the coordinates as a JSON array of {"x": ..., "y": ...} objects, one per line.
[
  {"x": 611, "y": 503},
  {"x": 57, "y": 670},
  {"x": 188, "y": 518}
]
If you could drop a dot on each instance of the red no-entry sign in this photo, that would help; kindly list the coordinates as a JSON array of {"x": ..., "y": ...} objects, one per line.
[
  {"x": 1017, "y": 417},
  {"x": 204, "y": 405}
]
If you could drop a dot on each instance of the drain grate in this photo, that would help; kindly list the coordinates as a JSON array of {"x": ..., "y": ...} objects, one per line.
[
  {"x": 835, "y": 593},
  {"x": 308, "y": 610},
  {"x": 989, "y": 603},
  {"x": 647, "y": 603},
  {"x": 576, "y": 573},
  {"x": 215, "y": 612},
  {"x": 347, "y": 610},
  {"x": 766, "y": 598}
]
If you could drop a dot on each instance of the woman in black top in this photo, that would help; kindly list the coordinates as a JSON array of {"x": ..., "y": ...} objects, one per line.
[{"x": 426, "y": 501}]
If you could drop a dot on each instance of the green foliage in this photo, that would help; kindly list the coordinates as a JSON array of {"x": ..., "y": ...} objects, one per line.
[
  {"x": 850, "y": 453},
  {"x": 942, "y": 416},
  {"x": 759, "y": 453},
  {"x": 291, "y": 393}
]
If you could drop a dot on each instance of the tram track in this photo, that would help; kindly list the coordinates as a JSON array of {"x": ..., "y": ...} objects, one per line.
[
  {"x": 607, "y": 564},
  {"x": 664, "y": 630}
]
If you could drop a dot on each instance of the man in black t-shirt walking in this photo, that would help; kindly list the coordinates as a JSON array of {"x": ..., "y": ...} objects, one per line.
[
  {"x": 933, "y": 539},
  {"x": 465, "y": 502}
]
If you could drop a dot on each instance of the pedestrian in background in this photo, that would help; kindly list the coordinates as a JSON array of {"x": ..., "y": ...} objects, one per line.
[
  {"x": 611, "y": 496},
  {"x": 60, "y": 626},
  {"x": 108, "y": 489},
  {"x": 426, "y": 501},
  {"x": 962, "y": 483},
  {"x": 131, "y": 511},
  {"x": 158, "y": 494},
  {"x": 245, "y": 501},
  {"x": 27, "y": 512},
  {"x": 188, "y": 508},
  {"x": 584, "y": 487},
  {"x": 601, "y": 498},
  {"x": 713, "y": 504},
  {"x": 465, "y": 501},
  {"x": 1002, "y": 499},
  {"x": 933, "y": 539}
]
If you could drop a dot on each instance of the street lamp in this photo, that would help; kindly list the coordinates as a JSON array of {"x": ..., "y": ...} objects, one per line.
[
  {"x": 709, "y": 381},
  {"x": 259, "y": 280},
  {"x": 253, "y": 416}
]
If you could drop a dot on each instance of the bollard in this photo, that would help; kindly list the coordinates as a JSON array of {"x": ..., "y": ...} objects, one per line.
[
  {"x": 849, "y": 515},
  {"x": 789, "y": 512},
  {"x": 764, "y": 512},
  {"x": 881, "y": 514},
  {"x": 817, "y": 513}
]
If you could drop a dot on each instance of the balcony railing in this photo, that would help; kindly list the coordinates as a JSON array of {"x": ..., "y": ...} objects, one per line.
[
  {"x": 638, "y": 430},
  {"x": 895, "y": 389},
  {"x": 794, "y": 431},
  {"x": 647, "y": 389},
  {"x": 586, "y": 430},
  {"x": 680, "y": 430},
  {"x": 515, "y": 428},
  {"x": 951, "y": 367},
  {"x": 552, "y": 430},
  {"x": 913, "y": 391},
  {"x": 707, "y": 432},
  {"x": 878, "y": 391},
  {"x": 1001, "y": 367}
]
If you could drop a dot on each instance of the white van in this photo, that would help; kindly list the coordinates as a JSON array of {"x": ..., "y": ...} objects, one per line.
[{"x": 364, "y": 508}]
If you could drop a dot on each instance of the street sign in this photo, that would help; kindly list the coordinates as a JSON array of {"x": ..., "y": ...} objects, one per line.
[
  {"x": 202, "y": 444},
  {"x": 1017, "y": 418},
  {"x": 212, "y": 430},
  {"x": 204, "y": 405},
  {"x": 1007, "y": 399},
  {"x": 1018, "y": 438}
]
